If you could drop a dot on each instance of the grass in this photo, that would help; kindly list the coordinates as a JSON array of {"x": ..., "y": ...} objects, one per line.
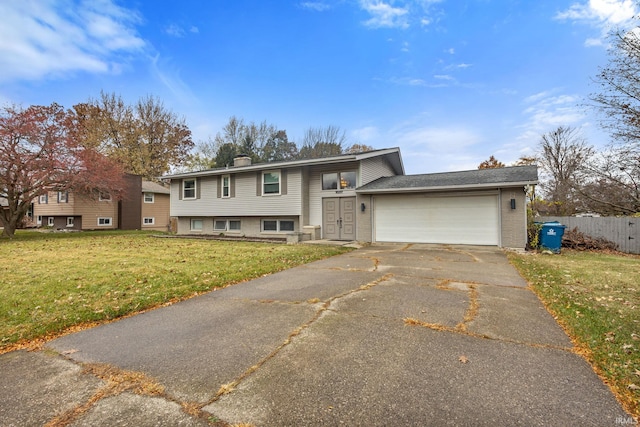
[
  {"x": 52, "y": 282},
  {"x": 596, "y": 298}
]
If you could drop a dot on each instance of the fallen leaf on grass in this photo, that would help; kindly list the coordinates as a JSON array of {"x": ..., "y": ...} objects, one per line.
[
  {"x": 463, "y": 359},
  {"x": 637, "y": 372},
  {"x": 633, "y": 387}
]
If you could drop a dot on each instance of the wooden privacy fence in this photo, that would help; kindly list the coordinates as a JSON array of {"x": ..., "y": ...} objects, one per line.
[{"x": 624, "y": 231}]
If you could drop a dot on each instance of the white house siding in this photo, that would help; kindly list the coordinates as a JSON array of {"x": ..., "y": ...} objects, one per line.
[
  {"x": 374, "y": 168},
  {"x": 245, "y": 202}
]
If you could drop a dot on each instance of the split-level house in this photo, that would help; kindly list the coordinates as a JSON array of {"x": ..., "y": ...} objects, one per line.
[
  {"x": 365, "y": 197},
  {"x": 144, "y": 205}
]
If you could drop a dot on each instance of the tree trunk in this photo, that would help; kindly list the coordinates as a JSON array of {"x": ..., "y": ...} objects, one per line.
[{"x": 9, "y": 230}]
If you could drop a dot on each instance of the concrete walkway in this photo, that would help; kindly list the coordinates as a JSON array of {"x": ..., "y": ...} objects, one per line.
[{"x": 413, "y": 335}]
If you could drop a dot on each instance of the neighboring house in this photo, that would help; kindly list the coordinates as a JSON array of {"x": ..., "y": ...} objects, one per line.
[
  {"x": 155, "y": 206},
  {"x": 66, "y": 210},
  {"x": 364, "y": 197}
]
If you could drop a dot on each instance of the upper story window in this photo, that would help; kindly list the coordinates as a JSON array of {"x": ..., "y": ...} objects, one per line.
[
  {"x": 271, "y": 183},
  {"x": 104, "y": 197},
  {"x": 339, "y": 181},
  {"x": 189, "y": 189},
  {"x": 226, "y": 186},
  {"x": 63, "y": 197},
  {"x": 43, "y": 199},
  {"x": 148, "y": 197}
]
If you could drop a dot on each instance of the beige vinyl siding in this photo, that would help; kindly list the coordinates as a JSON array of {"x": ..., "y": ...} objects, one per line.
[
  {"x": 245, "y": 202},
  {"x": 316, "y": 193},
  {"x": 513, "y": 222},
  {"x": 159, "y": 210},
  {"x": 374, "y": 168},
  {"x": 90, "y": 210}
]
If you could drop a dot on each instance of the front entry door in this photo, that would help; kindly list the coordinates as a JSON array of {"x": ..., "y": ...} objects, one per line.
[{"x": 339, "y": 218}]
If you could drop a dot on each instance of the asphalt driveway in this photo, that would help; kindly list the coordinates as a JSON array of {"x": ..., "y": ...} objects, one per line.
[{"x": 386, "y": 335}]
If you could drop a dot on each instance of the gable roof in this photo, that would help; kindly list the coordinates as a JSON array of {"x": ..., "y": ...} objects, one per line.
[
  {"x": 474, "y": 179},
  {"x": 392, "y": 155},
  {"x": 153, "y": 187}
]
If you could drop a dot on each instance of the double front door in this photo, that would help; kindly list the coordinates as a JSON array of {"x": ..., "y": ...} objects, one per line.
[{"x": 339, "y": 218}]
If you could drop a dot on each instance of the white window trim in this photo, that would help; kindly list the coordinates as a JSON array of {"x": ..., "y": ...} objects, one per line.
[
  {"x": 152, "y": 222},
  {"x": 44, "y": 199},
  {"x": 104, "y": 197},
  {"x": 277, "y": 171},
  {"x": 50, "y": 221},
  {"x": 107, "y": 221},
  {"x": 195, "y": 189},
  {"x": 63, "y": 197},
  {"x": 227, "y": 225},
  {"x": 191, "y": 221},
  {"x": 70, "y": 221},
  {"x": 339, "y": 180},
  {"x": 147, "y": 193},
  {"x": 39, "y": 220},
  {"x": 278, "y": 221},
  {"x": 228, "y": 178}
]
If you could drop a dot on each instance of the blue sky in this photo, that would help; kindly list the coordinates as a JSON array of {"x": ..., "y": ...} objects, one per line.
[{"x": 450, "y": 82}]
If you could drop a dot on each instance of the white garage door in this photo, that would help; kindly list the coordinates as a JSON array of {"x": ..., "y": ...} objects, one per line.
[{"x": 469, "y": 220}]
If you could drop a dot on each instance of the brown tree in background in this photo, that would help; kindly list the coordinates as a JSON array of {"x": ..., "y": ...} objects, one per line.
[
  {"x": 146, "y": 138},
  {"x": 39, "y": 152},
  {"x": 564, "y": 157},
  {"x": 491, "y": 163}
]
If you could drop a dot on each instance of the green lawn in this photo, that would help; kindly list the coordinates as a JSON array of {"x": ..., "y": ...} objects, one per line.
[
  {"x": 596, "y": 297},
  {"x": 51, "y": 282}
]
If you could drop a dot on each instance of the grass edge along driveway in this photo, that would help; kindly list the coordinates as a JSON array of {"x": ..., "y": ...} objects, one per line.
[
  {"x": 57, "y": 282},
  {"x": 595, "y": 296}
]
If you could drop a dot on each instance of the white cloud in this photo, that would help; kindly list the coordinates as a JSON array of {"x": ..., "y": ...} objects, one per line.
[
  {"x": 44, "y": 39},
  {"x": 384, "y": 15},
  {"x": 175, "y": 30},
  {"x": 544, "y": 112},
  {"x": 365, "y": 134},
  {"x": 601, "y": 14},
  {"x": 317, "y": 6},
  {"x": 609, "y": 12}
]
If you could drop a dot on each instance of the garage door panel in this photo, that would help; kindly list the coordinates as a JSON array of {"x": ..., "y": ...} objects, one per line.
[{"x": 420, "y": 219}]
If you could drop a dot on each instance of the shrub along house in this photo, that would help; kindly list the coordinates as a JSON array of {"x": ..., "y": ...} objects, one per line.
[{"x": 365, "y": 197}]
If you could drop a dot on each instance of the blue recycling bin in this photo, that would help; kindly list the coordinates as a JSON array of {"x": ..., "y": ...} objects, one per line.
[{"x": 551, "y": 236}]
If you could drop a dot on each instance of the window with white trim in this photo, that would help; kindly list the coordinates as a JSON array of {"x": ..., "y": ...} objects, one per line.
[
  {"x": 339, "y": 180},
  {"x": 188, "y": 189},
  {"x": 277, "y": 225},
  {"x": 39, "y": 220},
  {"x": 271, "y": 183},
  {"x": 104, "y": 197},
  {"x": 227, "y": 225},
  {"x": 63, "y": 197},
  {"x": 149, "y": 220},
  {"x": 149, "y": 197},
  {"x": 196, "y": 225},
  {"x": 226, "y": 186},
  {"x": 50, "y": 221},
  {"x": 105, "y": 221},
  {"x": 43, "y": 199},
  {"x": 69, "y": 221}
]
